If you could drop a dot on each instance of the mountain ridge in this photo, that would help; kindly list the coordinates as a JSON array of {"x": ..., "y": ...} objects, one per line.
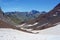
[{"x": 50, "y": 18}]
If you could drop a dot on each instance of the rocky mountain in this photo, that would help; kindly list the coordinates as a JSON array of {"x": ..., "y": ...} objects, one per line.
[
  {"x": 5, "y": 22},
  {"x": 19, "y": 17},
  {"x": 44, "y": 20}
]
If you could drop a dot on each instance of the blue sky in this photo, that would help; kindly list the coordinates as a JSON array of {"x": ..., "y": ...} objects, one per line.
[{"x": 28, "y": 5}]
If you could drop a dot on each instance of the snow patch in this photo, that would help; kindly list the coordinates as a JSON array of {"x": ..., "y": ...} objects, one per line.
[{"x": 11, "y": 34}]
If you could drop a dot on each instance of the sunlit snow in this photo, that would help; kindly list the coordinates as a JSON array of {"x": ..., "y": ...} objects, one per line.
[{"x": 52, "y": 33}]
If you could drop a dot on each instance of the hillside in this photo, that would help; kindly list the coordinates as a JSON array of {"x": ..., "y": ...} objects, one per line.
[{"x": 44, "y": 20}]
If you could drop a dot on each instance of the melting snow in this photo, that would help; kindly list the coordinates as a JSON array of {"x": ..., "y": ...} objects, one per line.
[
  {"x": 26, "y": 25},
  {"x": 10, "y": 34},
  {"x": 35, "y": 23}
]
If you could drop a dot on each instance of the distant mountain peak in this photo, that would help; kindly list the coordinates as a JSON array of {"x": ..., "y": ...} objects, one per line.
[{"x": 34, "y": 11}]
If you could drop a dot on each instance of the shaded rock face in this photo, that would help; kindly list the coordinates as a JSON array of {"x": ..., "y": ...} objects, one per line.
[
  {"x": 5, "y": 18},
  {"x": 51, "y": 18},
  {"x": 3, "y": 23}
]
